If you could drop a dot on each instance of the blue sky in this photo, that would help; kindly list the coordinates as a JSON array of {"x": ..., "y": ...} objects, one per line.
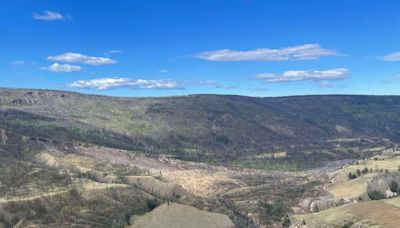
[{"x": 163, "y": 48}]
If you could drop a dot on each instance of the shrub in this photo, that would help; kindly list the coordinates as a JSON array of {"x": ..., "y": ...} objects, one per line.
[
  {"x": 352, "y": 175},
  {"x": 222, "y": 139},
  {"x": 286, "y": 222},
  {"x": 347, "y": 225},
  {"x": 376, "y": 195},
  {"x": 394, "y": 187},
  {"x": 152, "y": 203},
  {"x": 272, "y": 212}
]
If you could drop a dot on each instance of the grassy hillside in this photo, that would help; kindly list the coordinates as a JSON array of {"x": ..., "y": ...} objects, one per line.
[
  {"x": 211, "y": 128},
  {"x": 181, "y": 216},
  {"x": 381, "y": 213}
]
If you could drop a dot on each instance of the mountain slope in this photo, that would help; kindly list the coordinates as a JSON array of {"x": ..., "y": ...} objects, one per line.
[{"x": 208, "y": 127}]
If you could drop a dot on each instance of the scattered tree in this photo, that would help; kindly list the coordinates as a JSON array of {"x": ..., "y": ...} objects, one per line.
[
  {"x": 358, "y": 172},
  {"x": 352, "y": 176},
  {"x": 286, "y": 221},
  {"x": 393, "y": 186},
  {"x": 376, "y": 195}
]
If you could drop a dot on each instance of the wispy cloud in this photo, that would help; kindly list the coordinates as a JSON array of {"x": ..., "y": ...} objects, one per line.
[
  {"x": 22, "y": 63},
  {"x": 18, "y": 63},
  {"x": 392, "y": 79},
  {"x": 321, "y": 76},
  {"x": 211, "y": 83},
  {"x": 301, "y": 52},
  {"x": 395, "y": 56},
  {"x": 326, "y": 84},
  {"x": 203, "y": 83},
  {"x": 115, "y": 51},
  {"x": 71, "y": 57},
  {"x": 112, "y": 52},
  {"x": 108, "y": 83},
  {"x": 258, "y": 89},
  {"x": 226, "y": 87},
  {"x": 163, "y": 71},
  {"x": 56, "y": 67},
  {"x": 48, "y": 16}
]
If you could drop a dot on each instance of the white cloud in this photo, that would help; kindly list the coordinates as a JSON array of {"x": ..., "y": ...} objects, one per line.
[
  {"x": 71, "y": 57},
  {"x": 108, "y": 83},
  {"x": 115, "y": 82},
  {"x": 48, "y": 16},
  {"x": 308, "y": 75},
  {"x": 163, "y": 71},
  {"x": 392, "y": 57},
  {"x": 301, "y": 52},
  {"x": 56, "y": 67}
]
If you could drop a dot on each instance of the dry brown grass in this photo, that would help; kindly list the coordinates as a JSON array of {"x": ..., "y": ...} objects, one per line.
[
  {"x": 349, "y": 188},
  {"x": 56, "y": 159},
  {"x": 83, "y": 185},
  {"x": 181, "y": 216},
  {"x": 281, "y": 154},
  {"x": 383, "y": 214},
  {"x": 202, "y": 182}
]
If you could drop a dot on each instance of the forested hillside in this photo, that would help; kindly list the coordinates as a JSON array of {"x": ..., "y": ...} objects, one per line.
[{"x": 208, "y": 128}]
